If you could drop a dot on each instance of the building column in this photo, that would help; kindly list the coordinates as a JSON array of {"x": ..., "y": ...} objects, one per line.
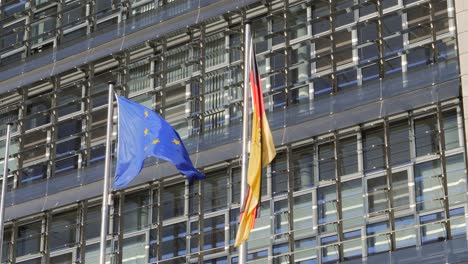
[{"x": 461, "y": 14}]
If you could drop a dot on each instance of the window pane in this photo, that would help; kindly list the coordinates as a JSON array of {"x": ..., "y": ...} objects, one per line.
[
  {"x": 378, "y": 239},
  {"x": 377, "y": 194},
  {"x": 260, "y": 235},
  {"x": 62, "y": 259},
  {"x": 405, "y": 232},
  {"x": 456, "y": 179},
  {"x": 352, "y": 203},
  {"x": 173, "y": 201},
  {"x": 213, "y": 232},
  {"x": 432, "y": 229},
  {"x": 279, "y": 174},
  {"x": 326, "y": 199},
  {"x": 62, "y": 233},
  {"x": 348, "y": 154},
  {"x": 281, "y": 216},
  {"x": 428, "y": 185},
  {"x": 93, "y": 222},
  {"x": 450, "y": 127},
  {"x": 135, "y": 212},
  {"x": 326, "y": 162},
  {"x": 303, "y": 222},
  {"x": 173, "y": 242},
  {"x": 214, "y": 193},
  {"x": 352, "y": 246},
  {"x": 373, "y": 146},
  {"x": 457, "y": 222},
  {"x": 305, "y": 251},
  {"x": 426, "y": 134},
  {"x": 134, "y": 250},
  {"x": 303, "y": 168},
  {"x": 400, "y": 190},
  {"x": 28, "y": 239},
  {"x": 399, "y": 142},
  {"x": 329, "y": 249}
]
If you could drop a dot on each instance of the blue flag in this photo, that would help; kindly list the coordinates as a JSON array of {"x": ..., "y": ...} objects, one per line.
[{"x": 143, "y": 133}]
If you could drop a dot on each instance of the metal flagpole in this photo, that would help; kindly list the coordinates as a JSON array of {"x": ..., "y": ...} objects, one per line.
[
  {"x": 107, "y": 171},
  {"x": 4, "y": 186},
  {"x": 245, "y": 131}
]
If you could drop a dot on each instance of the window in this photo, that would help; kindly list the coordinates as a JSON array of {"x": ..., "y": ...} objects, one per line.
[
  {"x": 303, "y": 215},
  {"x": 326, "y": 161},
  {"x": 347, "y": 152},
  {"x": 303, "y": 168},
  {"x": 329, "y": 249},
  {"x": 281, "y": 216},
  {"x": 214, "y": 193},
  {"x": 305, "y": 251},
  {"x": 173, "y": 242},
  {"x": 173, "y": 201},
  {"x": 327, "y": 209},
  {"x": 28, "y": 239},
  {"x": 297, "y": 18},
  {"x": 138, "y": 73},
  {"x": 213, "y": 232},
  {"x": 133, "y": 250},
  {"x": 93, "y": 222},
  {"x": 377, "y": 194},
  {"x": 432, "y": 228},
  {"x": 352, "y": 203},
  {"x": 457, "y": 222},
  {"x": 456, "y": 179},
  {"x": 373, "y": 147},
  {"x": 450, "y": 126},
  {"x": 428, "y": 185},
  {"x": 405, "y": 232},
  {"x": 400, "y": 190},
  {"x": 352, "y": 246},
  {"x": 63, "y": 228},
  {"x": 426, "y": 133},
  {"x": 70, "y": 100},
  {"x": 399, "y": 142},
  {"x": 378, "y": 239},
  {"x": 260, "y": 235},
  {"x": 279, "y": 174},
  {"x": 135, "y": 212}
]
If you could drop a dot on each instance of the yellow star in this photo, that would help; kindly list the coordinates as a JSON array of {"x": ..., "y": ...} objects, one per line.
[
  {"x": 146, "y": 131},
  {"x": 176, "y": 141},
  {"x": 146, "y": 114},
  {"x": 156, "y": 141}
]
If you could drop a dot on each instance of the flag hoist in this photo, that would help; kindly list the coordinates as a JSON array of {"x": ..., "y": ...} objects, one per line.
[{"x": 262, "y": 147}]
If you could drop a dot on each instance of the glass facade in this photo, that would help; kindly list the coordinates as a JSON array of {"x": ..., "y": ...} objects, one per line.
[{"x": 364, "y": 188}]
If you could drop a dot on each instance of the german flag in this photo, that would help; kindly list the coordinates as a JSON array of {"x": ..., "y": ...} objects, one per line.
[{"x": 262, "y": 152}]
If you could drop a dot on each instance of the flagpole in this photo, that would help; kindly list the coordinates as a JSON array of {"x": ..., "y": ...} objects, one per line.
[
  {"x": 4, "y": 186},
  {"x": 107, "y": 170},
  {"x": 245, "y": 131}
]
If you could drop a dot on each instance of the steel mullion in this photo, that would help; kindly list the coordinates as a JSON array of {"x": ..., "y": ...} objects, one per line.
[
  {"x": 389, "y": 175},
  {"x": 339, "y": 202},
  {"x": 443, "y": 177}
]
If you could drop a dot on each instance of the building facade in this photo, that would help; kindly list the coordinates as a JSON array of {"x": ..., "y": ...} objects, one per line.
[{"x": 365, "y": 99}]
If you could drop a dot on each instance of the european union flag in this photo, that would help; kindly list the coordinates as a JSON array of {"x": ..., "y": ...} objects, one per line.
[{"x": 143, "y": 133}]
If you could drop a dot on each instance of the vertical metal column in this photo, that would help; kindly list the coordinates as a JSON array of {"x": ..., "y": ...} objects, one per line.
[
  {"x": 4, "y": 186},
  {"x": 388, "y": 172},
  {"x": 339, "y": 203},
  {"x": 380, "y": 45},
  {"x": 106, "y": 185},
  {"x": 443, "y": 177}
]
